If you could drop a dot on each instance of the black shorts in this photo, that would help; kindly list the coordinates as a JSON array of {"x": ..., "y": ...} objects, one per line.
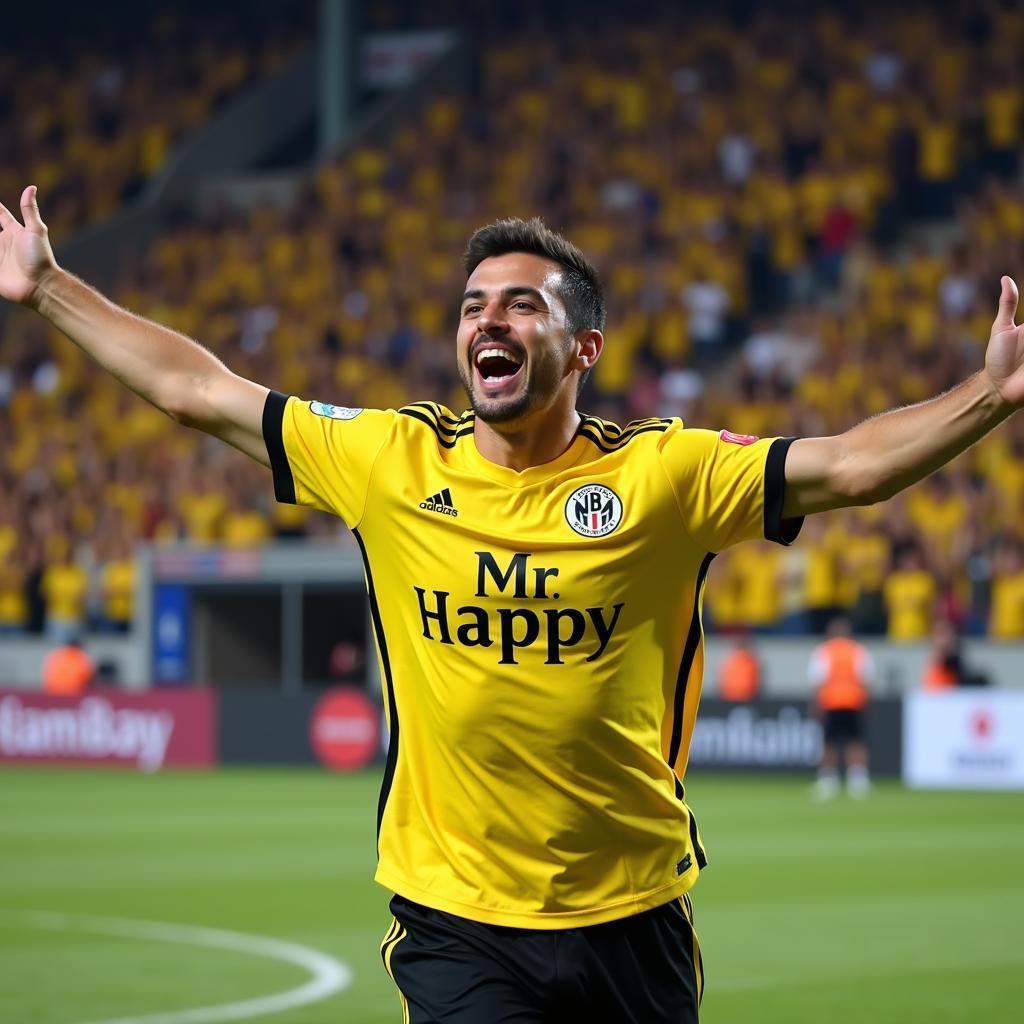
[
  {"x": 844, "y": 724},
  {"x": 644, "y": 969}
]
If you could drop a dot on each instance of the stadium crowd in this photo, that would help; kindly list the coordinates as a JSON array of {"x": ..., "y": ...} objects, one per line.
[
  {"x": 797, "y": 229},
  {"x": 90, "y": 116}
]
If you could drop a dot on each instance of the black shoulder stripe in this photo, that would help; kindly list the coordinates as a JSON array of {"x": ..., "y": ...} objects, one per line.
[
  {"x": 606, "y": 444},
  {"x": 419, "y": 414},
  {"x": 273, "y": 420},
  {"x": 609, "y": 430},
  {"x": 428, "y": 416},
  {"x": 446, "y": 439},
  {"x": 640, "y": 425},
  {"x": 638, "y": 422},
  {"x": 612, "y": 432},
  {"x": 646, "y": 421},
  {"x": 435, "y": 410}
]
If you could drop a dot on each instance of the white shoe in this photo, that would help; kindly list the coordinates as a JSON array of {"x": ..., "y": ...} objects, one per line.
[
  {"x": 858, "y": 786},
  {"x": 826, "y": 787}
]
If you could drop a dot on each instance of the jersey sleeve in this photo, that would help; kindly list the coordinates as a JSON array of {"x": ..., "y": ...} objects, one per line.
[
  {"x": 729, "y": 487},
  {"x": 323, "y": 456}
]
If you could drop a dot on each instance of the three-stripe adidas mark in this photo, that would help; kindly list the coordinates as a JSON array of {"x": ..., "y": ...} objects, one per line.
[{"x": 440, "y": 502}]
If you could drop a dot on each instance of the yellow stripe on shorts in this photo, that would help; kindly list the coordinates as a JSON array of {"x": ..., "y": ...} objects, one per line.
[
  {"x": 698, "y": 964},
  {"x": 394, "y": 936},
  {"x": 392, "y": 930}
]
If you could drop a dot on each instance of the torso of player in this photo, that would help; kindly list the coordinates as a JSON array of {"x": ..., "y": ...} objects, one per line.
[
  {"x": 539, "y": 620},
  {"x": 540, "y": 645}
]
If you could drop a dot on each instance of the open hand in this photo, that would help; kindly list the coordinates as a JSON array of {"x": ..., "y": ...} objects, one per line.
[
  {"x": 25, "y": 253},
  {"x": 1004, "y": 357}
]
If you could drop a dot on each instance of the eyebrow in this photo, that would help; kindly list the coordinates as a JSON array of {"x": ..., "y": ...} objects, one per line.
[{"x": 511, "y": 292}]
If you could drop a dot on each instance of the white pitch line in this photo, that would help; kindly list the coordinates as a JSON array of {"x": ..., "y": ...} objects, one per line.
[{"x": 328, "y": 975}]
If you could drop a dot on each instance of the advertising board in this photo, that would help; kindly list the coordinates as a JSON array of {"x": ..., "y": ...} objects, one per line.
[
  {"x": 146, "y": 731},
  {"x": 339, "y": 728},
  {"x": 773, "y": 735},
  {"x": 964, "y": 740}
]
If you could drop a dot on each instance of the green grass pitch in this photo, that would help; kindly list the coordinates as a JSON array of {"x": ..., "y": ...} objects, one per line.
[{"x": 907, "y": 907}]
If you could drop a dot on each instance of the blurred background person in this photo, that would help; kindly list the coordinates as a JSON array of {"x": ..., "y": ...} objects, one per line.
[
  {"x": 13, "y": 593},
  {"x": 946, "y": 668},
  {"x": 910, "y": 591},
  {"x": 67, "y": 670},
  {"x": 117, "y": 585},
  {"x": 1007, "y": 615},
  {"x": 64, "y": 587},
  {"x": 841, "y": 671},
  {"x": 740, "y": 675}
]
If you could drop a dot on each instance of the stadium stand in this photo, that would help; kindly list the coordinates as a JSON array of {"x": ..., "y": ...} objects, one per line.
[
  {"x": 91, "y": 115},
  {"x": 801, "y": 222}
]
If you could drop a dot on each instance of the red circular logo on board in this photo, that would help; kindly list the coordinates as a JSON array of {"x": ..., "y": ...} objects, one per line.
[
  {"x": 344, "y": 730},
  {"x": 981, "y": 724}
]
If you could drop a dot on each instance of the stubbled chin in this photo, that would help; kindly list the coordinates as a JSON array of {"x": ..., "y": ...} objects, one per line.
[
  {"x": 500, "y": 408},
  {"x": 502, "y": 405}
]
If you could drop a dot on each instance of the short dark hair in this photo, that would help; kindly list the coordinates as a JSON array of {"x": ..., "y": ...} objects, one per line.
[{"x": 581, "y": 289}]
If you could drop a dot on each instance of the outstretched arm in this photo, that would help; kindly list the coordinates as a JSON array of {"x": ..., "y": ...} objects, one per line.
[
  {"x": 169, "y": 370},
  {"x": 883, "y": 455}
]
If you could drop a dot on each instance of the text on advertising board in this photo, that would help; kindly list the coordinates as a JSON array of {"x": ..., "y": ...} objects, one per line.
[{"x": 145, "y": 731}]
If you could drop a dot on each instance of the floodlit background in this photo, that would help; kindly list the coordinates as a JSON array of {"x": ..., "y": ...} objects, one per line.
[{"x": 801, "y": 213}]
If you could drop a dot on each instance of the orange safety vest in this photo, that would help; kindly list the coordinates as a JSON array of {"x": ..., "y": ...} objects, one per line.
[
  {"x": 740, "y": 676},
  {"x": 67, "y": 672},
  {"x": 843, "y": 687},
  {"x": 938, "y": 677}
]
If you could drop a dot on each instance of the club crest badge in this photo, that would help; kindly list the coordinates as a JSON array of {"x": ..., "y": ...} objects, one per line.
[{"x": 593, "y": 510}]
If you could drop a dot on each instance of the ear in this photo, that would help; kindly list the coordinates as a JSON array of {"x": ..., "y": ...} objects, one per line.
[{"x": 589, "y": 345}]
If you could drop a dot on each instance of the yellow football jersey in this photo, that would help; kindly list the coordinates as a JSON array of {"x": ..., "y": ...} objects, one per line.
[{"x": 540, "y": 645}]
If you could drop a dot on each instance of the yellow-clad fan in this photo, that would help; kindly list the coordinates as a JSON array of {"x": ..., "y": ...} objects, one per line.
[
  {"x": 202, "y": 508},
  {"x": 242, "y": 525},
  {"x": 13, "y": 594},
  {"x": 911, "y": 592},
  {"x": 117, "y": 586},
  {"x": 1007, "y": 618},
  {"x": 756, "y": 570},
  {"x": 65, "y": 591}
]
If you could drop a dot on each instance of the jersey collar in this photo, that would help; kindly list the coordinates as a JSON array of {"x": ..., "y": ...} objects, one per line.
[{"x": 481, "y": 466}]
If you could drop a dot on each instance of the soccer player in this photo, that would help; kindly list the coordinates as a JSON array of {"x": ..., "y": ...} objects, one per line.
[{"x": 535, "y": 579}]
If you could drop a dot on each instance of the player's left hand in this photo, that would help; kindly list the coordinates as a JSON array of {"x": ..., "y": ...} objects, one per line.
[{"x": 1004, "y": 357}]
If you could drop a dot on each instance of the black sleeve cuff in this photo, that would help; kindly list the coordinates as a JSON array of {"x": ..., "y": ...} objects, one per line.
[
  {"x": 273, "y": 417},
  {"x": 782, "y": 531}
]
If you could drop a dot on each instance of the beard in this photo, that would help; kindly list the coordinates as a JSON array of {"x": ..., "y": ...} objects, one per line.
[{"x": 498, "y": 410}]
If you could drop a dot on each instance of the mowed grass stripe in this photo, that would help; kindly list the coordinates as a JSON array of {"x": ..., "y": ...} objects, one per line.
[
  {"x": 948, "y": 996},
  {"x": 104, "y": 978},
  {"x": 823, "y": 934},
  {"x": 896, "y": 909},
  {"x": 286, "y": 854},
  {"x": 814, "y": 913}
]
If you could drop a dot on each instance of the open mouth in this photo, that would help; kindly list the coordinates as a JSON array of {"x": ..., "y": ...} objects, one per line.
[{"x": 496, "y": 367}]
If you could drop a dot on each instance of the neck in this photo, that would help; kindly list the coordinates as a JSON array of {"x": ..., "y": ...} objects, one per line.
[{"x": 532, "y": 443}]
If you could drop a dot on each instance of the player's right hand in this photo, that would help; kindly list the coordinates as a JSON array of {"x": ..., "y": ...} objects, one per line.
[{"x": 25, "y": 253}]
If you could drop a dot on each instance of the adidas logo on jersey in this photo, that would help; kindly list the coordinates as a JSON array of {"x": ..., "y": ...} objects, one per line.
[{"x": 440, "y": 502}]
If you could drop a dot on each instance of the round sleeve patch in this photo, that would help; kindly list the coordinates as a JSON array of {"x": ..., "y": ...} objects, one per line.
[{"x": 333, "y": 412}]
